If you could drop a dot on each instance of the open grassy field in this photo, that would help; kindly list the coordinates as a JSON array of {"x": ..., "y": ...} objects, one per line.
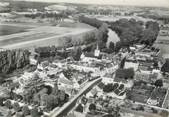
[
  {"x": 44, "y": 36},
  {"x": 7, "y": 29}
]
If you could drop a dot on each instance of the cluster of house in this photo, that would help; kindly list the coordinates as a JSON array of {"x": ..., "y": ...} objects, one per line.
[
  {"x": 49, "y": 73},
  {"x": 59, "y": 8},
  {"x": 141, "y": 65}
]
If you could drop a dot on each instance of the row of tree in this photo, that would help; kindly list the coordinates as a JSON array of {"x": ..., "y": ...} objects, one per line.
[
  {"x": 13, "y": 59},
  {"x": 91, "y": 21},
  {"x": 56, "y": 16}
]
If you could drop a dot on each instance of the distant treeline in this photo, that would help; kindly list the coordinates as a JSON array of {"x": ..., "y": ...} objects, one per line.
[
  {"x": 163, "y": 18},
  {"x": 48, "y": 15},
  {"x": 91, "y": 21},
  {"x": 24, "y": 5}
]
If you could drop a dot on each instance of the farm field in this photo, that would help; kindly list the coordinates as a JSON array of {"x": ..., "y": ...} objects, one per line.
[
  {"x": 148, "y": 93},
  {"x": 8, "y": 29},
  {"x": 40, "y": 36}
]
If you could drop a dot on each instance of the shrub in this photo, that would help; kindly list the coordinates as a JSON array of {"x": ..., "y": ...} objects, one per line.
[
  {"x": 92, "y": 107},
  {"x": 25, "y": 110},
  {"x": 1, "y": 101},
  {"x": 16, "y": 107},
  {"x": 19, "y": 114},
  {"x": 8, "y": 104},
  {"x": 34, "y": 112}
]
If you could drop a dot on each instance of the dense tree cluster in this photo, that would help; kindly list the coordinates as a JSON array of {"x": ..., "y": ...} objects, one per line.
[
  {"x": 158, "y": 83},
  {"x": 76, "y": 53},
  {"x": 89, "y": 38},
  {"x": 165, "y": 67},
  {"x": 132, "y": 31},
  {"x": 102, "y": 36},
  {"x": 68, "y": 73},
  {"x": 163, "y": 18},
  {"x": 91, "y": 21},
  {"x": 23, "y": 6},
  {"x": 46, "y": 51},
  {"x": 43, "y": 95},
  {"x": 46, "y": 96},
  {"x": 102, "y": 27},
  {"x": 13, "y": 59},
  {"x": 92, "y": 107},
  {"x": 48, "y": 15},
  {"x": 150, "y": 33},
  {"x": 125, "y": 73},
  {"x": 108, "y": 88}
]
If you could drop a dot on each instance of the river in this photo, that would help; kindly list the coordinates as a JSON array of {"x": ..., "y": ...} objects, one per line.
[{"x": 112, "y": 36}]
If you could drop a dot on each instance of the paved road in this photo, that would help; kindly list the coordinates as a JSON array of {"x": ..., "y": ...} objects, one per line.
[{"x": 58, "y": 113}]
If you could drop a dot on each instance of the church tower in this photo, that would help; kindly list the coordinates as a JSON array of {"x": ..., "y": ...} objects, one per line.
[{"x": 97, "y": 51}]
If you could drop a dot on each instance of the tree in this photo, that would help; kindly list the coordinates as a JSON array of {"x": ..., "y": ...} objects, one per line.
[
  {"x": 44, "y": 98},
  {"x": 89, "y": 38},
  {"x": 19, "y": 114},
  {"x": 118, "y": 46},
  {"x": 51, "y": 102},
  {"x": 141, "y": 108},
  {"x": 165, "y": 67},
  {"x": 9, "y": 114},
  {"x": 155, "y": 64},
  {"x": 34, "y": 112},
  {"x": 68, "y": 41},
  {"x": 16, "y": 107},
  {"x": 154, "y": 110},
  {"x": 111, "y": 46},
  {"x": 13, "y": 59},
  {"x": 158, "y": 83},
  {"x": 103, "y": 33},
  {"x": 92, "y": 107},
  {"x": 109, "y": 115},
  {"x": 122, "y": 63},
  {"x": 164, "y": 113},
  {"x": 91, "y": 21},
  {"x": 55, "y": 90},
  {"x": 8, "y": 104},
  {"x": 1, "y": 101},
  {"x": 61, "y": 95},
  {"x": 108, "y": 88},
  {"x": 77, "y": 53},
  {"x": 25, "y": 110},
  {"x": 132, "y": 31},
  {"x": 79, "y": 108}
]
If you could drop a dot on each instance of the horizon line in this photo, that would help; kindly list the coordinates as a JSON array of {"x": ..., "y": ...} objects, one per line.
[{"x": 63, "y": 2}]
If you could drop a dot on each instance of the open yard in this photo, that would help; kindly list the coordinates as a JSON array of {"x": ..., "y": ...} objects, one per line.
[{"x": 142, "y": 93}]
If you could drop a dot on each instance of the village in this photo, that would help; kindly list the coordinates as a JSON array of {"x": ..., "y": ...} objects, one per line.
[
  {"x": 83, "y": 61},
  {"x": 125, "y": 81}
]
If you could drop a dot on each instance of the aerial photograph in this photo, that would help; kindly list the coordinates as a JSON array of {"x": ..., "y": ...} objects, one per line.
[{"x": 84, "y": 58}]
